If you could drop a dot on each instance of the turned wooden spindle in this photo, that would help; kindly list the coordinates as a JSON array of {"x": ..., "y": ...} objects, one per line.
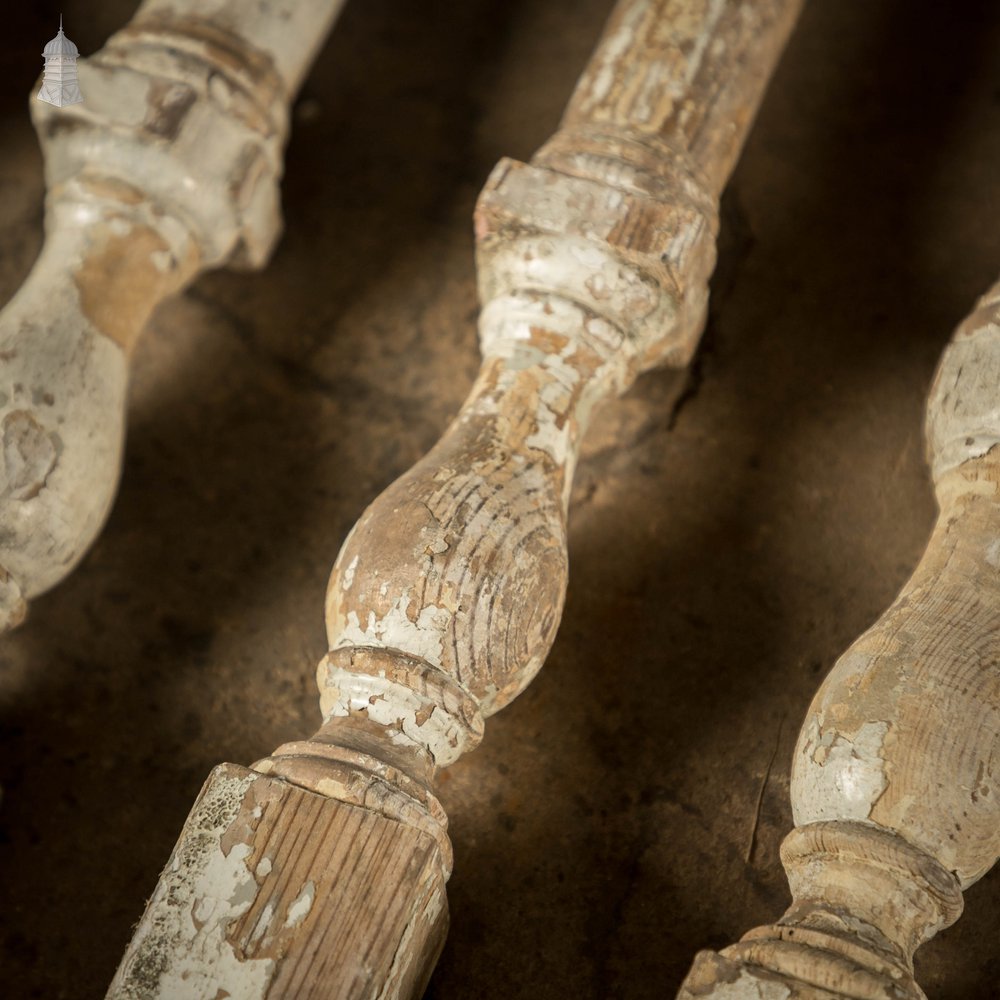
[
  {"x": 321, "y": 871},
  {"x": 170, "y": 166},
  {"x": 894, "y": 782}
]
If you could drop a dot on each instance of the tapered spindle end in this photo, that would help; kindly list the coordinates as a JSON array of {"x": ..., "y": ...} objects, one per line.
[{"x": 277, "y": 891}]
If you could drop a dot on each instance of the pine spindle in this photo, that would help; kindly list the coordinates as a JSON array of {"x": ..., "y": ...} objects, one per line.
[
  {"x": 445, "y": 598},
  {"x": 170, "y": 166},
  {"x": 894, "y": 782}
]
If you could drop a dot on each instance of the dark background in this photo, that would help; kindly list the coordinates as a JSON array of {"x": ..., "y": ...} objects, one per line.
[{"x": 733, "y": 528}]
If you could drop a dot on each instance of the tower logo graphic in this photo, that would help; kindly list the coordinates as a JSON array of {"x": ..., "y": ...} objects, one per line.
[{"x": 60, "y": 85}]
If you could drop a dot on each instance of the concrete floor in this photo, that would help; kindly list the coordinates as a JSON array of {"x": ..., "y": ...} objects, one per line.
[{"x": 733, "y": 528}]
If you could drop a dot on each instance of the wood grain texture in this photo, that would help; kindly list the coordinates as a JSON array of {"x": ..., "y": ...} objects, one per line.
[
  {"x": 686, "y": 72},
  {"x": 252, "y": 900},
  {"x": 894, "y": 789},
  {"x": 171, "y": 165},
  {"x": 444, "y": 601},
  {"x": 593, "y": 264}
]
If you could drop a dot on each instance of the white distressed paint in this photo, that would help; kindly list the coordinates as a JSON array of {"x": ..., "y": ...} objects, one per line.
[
  {"x": 212, "y": 182},
  {"x": 291, "y": 32},
  {"x": 301, "y": 905},
  {"x": 349, "y": 573},
  {"x": 423, "y": 637},
  {"x": 656, "y": 298},
  {"x": 993, "y": 553},
  {"x": 263, "y": 924},
  {"x": 506, "y": 323},
  {"x": 162, "y": 260},
  {"x": 61, "y": 424},
  {"x": 606, "y": 62},
  {"x": 417, "y": 717},
  {"x": 179, "y": 950},
  {"x": 838, "y": 775},
  {"x": 963, "y": 413},
  {"x": 747, "y": 985}
]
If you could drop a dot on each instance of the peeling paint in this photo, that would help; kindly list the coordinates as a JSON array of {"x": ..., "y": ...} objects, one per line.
[
  {"x": 423, "y": 637},
  {"x": 349, "y": 573},
  {"x": 840, "y": 776},
  {"x": 180, "y": 951},
  {"x": 56, "y": 486},
  {"x": 432, "y": 719},
  {"x": 301, "y": 905},
  {"x": 993, "y": 553},
  {"x": 149, "y": 179},
  {"x": 715, "y": 977},
  {"x": 963, "y": 413},
  {"x": 263, "y": 924}
]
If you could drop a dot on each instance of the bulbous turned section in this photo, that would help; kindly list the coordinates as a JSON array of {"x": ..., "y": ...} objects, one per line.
[
  {"x": 905, "y": 731},
  {"x": 64, "y": 343},
  {"x": 171, "y": 165},
  {"x": 462, "y": 562},
  {"x": 593, "y": 264},
  {"x": 894, "y": 793}
]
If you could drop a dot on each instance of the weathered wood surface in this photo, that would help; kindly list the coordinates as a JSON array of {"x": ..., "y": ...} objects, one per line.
[
  {"x": 170, "y": 166},
  {"x": 894, "y": 790},
  {"x": 255, "y": 891},
  {"x": 444, "y": 601}
]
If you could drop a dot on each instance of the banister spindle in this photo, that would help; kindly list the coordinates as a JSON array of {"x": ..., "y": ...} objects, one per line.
[
  {"x": 321, "y": 871},
  {"x": 894, "y": 781},
  {"x": 169, "y": 166}
]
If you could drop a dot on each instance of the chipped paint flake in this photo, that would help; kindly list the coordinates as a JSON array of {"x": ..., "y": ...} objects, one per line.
[
  {"x": 423, "y": 637},
  {"x": 301, "y": 905},
  {"x": 180, "y": 950},
  {"x": 840, "y": 776},
  {"x": 349, "y": 573},
  {"x": 750, "y": 987},
  {"x": 263, "y": 924}
]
